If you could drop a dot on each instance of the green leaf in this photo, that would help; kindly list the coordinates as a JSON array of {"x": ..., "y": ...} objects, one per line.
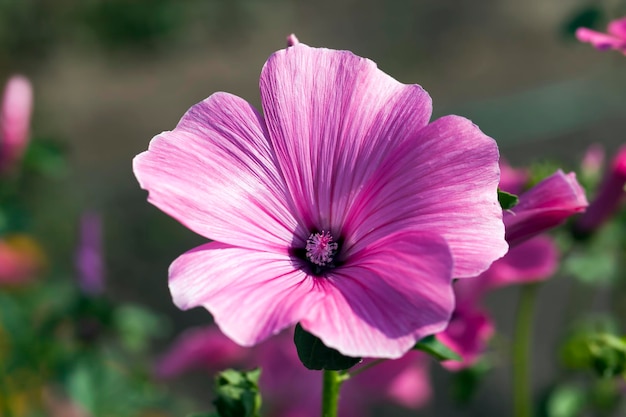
[
  {"x": 566, "y": 401},
  {"x": 238, "y": 393},
  {"x": 507, "y": 200},
  {"x": 603, "y": 353},
  {"x": 598, "y": 261},
  {"x": 82, "y": 385},
  {"x": 315, "y": 355},
  {"x": 436, "y": 349},
  {"x": 46, "y": 157},
  {"x": 136, "y": 326}
]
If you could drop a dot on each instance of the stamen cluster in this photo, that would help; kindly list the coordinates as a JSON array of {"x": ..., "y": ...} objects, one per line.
[{"x": 321, "y": 248}]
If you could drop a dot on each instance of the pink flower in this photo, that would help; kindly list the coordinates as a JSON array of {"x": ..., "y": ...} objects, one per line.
[
  {"x": 340, "y": 208},
  {"x": 17, "y": 104},
  {"x": 546, "y": 205},
  {"x": 533, "y": 260},
  {"x": 89, "y": 262},
  {"x": 609, "y": 196},
  {"x": 529, "y": 259},
  {"x": 201, "y": 348},
  {"x": 468, "y": 334},
  {"x": 614, "y": 39},
  {"x": 404, "y": 381}
]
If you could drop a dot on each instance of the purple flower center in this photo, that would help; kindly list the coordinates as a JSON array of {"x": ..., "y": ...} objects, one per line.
[{"x": 321, "y": 248}]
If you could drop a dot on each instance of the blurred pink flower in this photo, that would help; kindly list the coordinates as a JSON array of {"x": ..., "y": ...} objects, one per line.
[
  {"x": 471, "y": 327},
  {"x": 615, "y": 38},
  {"x": 608, "y": 198},
  {"x": 546, "y": 205},
  {"x": 15, "y": 112},
  {"x": 88, "y": 259},
  {"x": 468, "y": 334},
  {"x": 288, "y": 388},
  {"x": 512, "y": 180},
  {"x": 21, "y": 259},
  {"x": 404, "y": 381},
  {"x": 200, "y": 348},
  {"x": 535, "y": 259},
  {"x": 341, "y": 208}
]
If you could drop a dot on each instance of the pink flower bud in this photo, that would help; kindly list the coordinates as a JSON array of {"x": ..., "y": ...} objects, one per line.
[
  {"x": 15, "y": 114},
  {"x": 546, "y": 205}
]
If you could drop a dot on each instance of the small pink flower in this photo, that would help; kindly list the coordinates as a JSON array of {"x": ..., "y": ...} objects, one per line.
[
  {"x": 17, "y": 104},
  {"x": 546, "y": 205},
  {"x": 614, "y": 39},
  {"x": 341, "y": 207},
  {"x": 608, "y": 198}
]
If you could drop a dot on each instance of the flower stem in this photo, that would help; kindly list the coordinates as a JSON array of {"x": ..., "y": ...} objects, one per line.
[
  {"x": 522, "y": 400},
  {"x": 330, "y": 393}
]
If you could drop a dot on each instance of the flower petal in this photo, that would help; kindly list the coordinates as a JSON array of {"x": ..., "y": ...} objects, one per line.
[
  {"x": 332, "y": 117},
  {"x": 252, "y": 295},
  {"x": 600, "y": 40},
  {"x": 386, "y": 298},
  {"x": 617, "y": 28},
  {"x": 444, "y": 182},
  {"x": 215, "y": 173},
  {"x": 546, "y": 205}
]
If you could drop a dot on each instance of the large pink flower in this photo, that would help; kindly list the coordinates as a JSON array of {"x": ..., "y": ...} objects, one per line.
[{"x": 340, "y": 208}]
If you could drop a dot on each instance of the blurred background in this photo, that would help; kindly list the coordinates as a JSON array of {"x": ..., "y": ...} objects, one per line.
[{"x": 108, "y": 75}]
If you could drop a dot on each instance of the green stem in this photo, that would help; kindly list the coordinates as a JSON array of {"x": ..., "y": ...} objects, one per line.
[
  {"x": 330, "y": 393},
  {"x": 522, "y": 398},
  {"x": 5, "y": 398}
]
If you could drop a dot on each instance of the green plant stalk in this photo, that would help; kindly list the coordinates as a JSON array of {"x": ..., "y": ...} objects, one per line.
[
  {"x": 522, "y": 398},
  {"x": 5, "y": 406},
  {"x": 330, "y": 394}
]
